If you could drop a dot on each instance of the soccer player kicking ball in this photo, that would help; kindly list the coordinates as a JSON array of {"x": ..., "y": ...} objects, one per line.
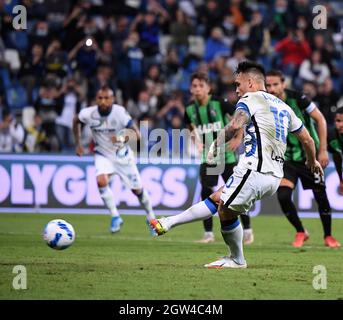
[
  {"x": 112, "y": 155},
  {"x": 267, "y": 121}
]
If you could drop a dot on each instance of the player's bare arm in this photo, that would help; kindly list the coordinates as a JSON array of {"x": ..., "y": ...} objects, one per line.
[
  {"x": 323, "y": 156},
  {"x": 77, "y": 134},
  {"x": 311, "y": 162},
  {"x": 196, "y": 137},
  {"x": 338, "y": 161},
  {"x": 236, "y": 140},
  {"x": 232, "y": 130}
]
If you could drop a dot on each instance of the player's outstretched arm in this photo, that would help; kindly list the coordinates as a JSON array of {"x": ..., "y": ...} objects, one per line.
[
  {"x": 77, "y": 135},
  {"x": 310, "y": 150}
]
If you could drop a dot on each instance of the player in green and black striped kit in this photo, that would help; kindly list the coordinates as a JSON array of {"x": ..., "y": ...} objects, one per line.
[
  {"x": 335, "y": 144},
  {"x": 207, "y": 115},
  {"x": 294, "y": 166}
]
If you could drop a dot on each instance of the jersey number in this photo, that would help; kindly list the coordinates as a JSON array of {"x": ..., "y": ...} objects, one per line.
[{"x": 281, "y": 133}]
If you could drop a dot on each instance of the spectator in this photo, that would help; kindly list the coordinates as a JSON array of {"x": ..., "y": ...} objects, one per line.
[
  {"x": 173, "y": 107},
  {"x": 12, "y": 133},
  {"x": 324, "y": 44},
  {"x": 56, "y": 60},
  {"x": 229, "y": 28},
  {"x": 224, "y": 80},
  {"x": 171, "y": 7},
  {"x": 33, "y": 69},
  {"x": 48, "y": 108},
  {"x": 280, "y": 20},
  {"x": 143, "y": 106},
  {"x": 242, "y": 40},
  {"x": 107, "y": 55},
  {"x": 85, "y": 54},
  {"x": 180, "y": 30},
  {"x": 259, "y": 37},
  {"x": 215, "y": 45},
  {"x": 104, "y": 77},
  {"x": 327, "y": 100},
  {"x": 70, "y": 98},
  {"x": 309, "y": 88},
  {"x": 238, "y": 56},
  {"x": 148, "y": 28},
  {"x": 240, "y": 12},
  {"x": 294, "y": 49},
  {"x": 130, "y": 67},
  {"x": 41, "y": 34},
  {"x": 153, "y": 77},
  {"x": 121, "y": 33},
  {"x": 210, "y": 16},
  {"x": 36, "y": 139},
  {"x": 314, "y": 69}
]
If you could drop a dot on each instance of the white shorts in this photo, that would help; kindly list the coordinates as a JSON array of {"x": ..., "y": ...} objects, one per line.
[
  {"x": 126, "y": 170},
  {"x": 245, "y": 186}
]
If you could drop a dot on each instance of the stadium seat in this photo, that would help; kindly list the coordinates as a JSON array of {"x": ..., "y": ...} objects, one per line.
[
  {"x": 5, "y": 78},
  {"x": 16, "y": 97},
  {"x": 12, "y": 58},
  {"x": 196, "y": 45},
  {"x": 164, "y": 43}
]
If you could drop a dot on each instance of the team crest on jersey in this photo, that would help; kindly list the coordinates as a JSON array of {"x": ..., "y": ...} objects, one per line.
[
  {"x": 213, "y": 113},
  {"x": 95, "y": 120}
]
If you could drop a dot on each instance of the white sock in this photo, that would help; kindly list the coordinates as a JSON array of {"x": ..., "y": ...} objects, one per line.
[
  {"x": 200, "y": 211},
  {"x": 233, "y": 237},
  {"x": 107, "y": 196},
  {"x": 145, "y": 202}
]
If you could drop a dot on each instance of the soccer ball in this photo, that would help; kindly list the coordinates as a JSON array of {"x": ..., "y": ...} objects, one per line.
[{"x": 59, "y": 234}]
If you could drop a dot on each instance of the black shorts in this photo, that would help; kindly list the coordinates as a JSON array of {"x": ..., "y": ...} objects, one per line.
[
  {"x": 294, "y": 170},
  {"x": 212, "y": 180}
]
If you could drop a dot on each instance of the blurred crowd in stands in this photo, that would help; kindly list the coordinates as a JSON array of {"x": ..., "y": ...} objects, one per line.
[{"x": 146, "y": 52}]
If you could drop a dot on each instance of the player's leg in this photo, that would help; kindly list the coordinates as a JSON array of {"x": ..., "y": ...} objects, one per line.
[
  {"x": 248, "y": 235},
  {"x": 284, "y": 195},
  {"x": 145, "y": 202},
  {"x": 325, "y": 216},
  {"x": 239, "y": 194},
  {"x": 106, "y": 195},
  {"x": 104, "y": 171},
  {"x": 199, "y": 211},
  {"x": 232, "y": 233},
  {"x": 236, "y": 198},
  {"x": 130, "y": 176},
  {"x": 207, "y": 183}
]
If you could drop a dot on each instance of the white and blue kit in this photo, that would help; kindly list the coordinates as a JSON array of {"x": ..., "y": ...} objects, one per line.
[
  {"x": 260, "y": 170},
  {"x": 112, "y": 158}
]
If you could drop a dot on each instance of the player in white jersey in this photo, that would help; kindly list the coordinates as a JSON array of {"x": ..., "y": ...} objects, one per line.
[
  {"x": 111, "y": 127},
  {"x": 267, "y": 121}
]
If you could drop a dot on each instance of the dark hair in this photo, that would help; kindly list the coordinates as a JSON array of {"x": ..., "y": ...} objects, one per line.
[
  {"x": 276, "y": 73},
  {"x": 106, "y": 88},
  {"x": 339, "y": 110},
  {"x": 200, "y": 76},
  {"x": 250, "y": 66}
]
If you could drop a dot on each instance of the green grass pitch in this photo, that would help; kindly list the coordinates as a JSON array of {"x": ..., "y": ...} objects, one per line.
[{"x": 133, "y": 265}]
